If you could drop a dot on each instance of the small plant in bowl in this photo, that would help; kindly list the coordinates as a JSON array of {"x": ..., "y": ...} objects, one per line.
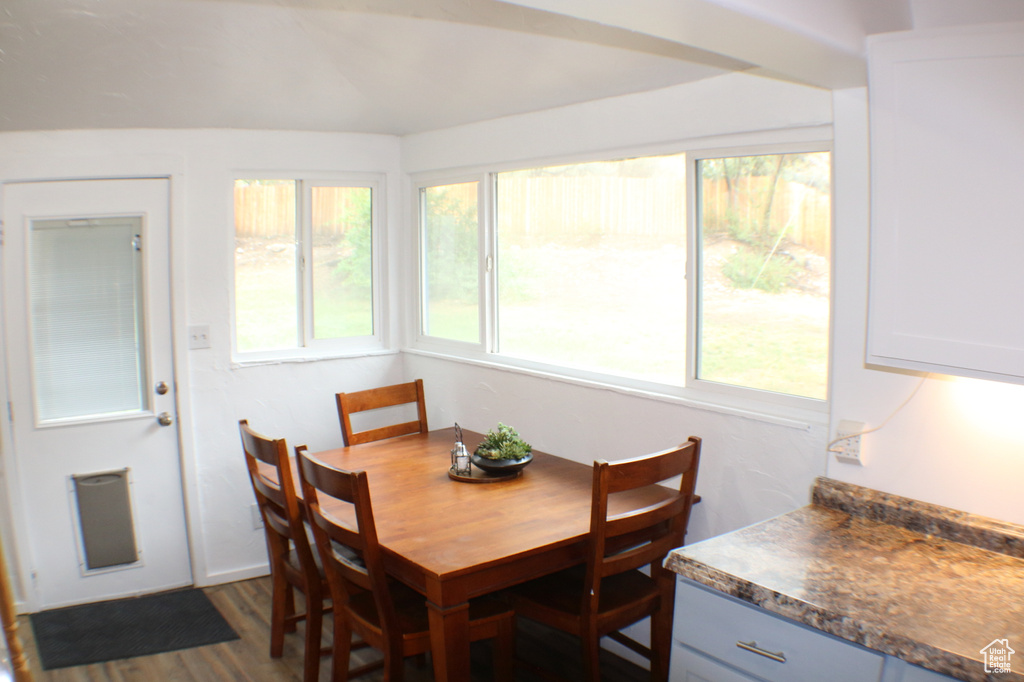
[{"x": 503, "y": 452}]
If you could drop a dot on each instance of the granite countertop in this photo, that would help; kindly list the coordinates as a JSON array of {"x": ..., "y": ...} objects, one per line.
[{"x": 927, "y": 584}]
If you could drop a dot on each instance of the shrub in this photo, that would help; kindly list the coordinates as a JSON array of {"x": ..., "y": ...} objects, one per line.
[{"x": 751, "y": 269}]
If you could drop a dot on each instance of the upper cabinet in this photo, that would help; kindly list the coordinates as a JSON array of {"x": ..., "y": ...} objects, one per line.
[{"x": 947, "y": 201}]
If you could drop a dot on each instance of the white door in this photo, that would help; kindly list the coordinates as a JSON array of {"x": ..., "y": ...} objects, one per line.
[{"x": 90, "y": 379}]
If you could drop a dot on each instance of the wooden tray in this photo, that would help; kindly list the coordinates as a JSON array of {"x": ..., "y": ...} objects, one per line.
[{"x": 478, "y": 476}]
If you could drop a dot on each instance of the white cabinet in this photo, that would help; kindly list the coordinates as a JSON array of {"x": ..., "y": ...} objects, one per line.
[
  {"x": 947, "y": 201},
  {"x": 710, "y": 627},
  {"x": 718, "y": 638}
]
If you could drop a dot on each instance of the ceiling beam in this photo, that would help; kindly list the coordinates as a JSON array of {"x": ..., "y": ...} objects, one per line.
[
  {"x": 520, "y": 16},
  {"x": 775, "y": 49}
]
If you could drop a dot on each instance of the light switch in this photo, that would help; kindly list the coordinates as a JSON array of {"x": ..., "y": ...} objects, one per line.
[{"x": 198, "y": 336}]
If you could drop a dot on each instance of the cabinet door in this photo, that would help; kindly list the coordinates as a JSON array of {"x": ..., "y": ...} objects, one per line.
[{"x": 946, "y": 177}]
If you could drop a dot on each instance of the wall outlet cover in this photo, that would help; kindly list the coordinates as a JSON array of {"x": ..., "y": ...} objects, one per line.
[{"x": 848, "y": 450}]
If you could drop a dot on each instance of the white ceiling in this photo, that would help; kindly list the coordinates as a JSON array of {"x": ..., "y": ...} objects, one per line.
[{"x": 404, "y": 66}]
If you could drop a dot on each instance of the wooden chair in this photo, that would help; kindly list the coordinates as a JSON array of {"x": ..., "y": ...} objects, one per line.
[
  {"x": 376, "y": 398},
  {"x": 15, "y": 652},
  {"x": 385, "y": 613},
  {"x": 609, "y": 592},
  {"x": 292, "y": 563}
]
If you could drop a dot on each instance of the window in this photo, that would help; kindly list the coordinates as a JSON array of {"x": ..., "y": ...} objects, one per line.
[
  {"x": 305, "y": 265},
  {"x": 601, "y": 270},
  {"x": 451, "y": 261},
  {"x": 765, "y": 225},
  {"x": 591, "y": 261},
  {"x": 88, "y": 345}
]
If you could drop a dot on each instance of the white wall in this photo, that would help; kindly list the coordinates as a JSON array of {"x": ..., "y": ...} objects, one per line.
[
  {"x": 704, "y": 110},
  {"x": 957, "y": 442},
  {"x": 293, "y": 400}
]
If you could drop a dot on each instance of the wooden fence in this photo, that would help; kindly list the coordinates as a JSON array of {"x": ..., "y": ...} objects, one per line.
[
  {"x": 268, "y": 210},
  {"x": 802, "y": 212},
  {"x": 570, "y": 206}
]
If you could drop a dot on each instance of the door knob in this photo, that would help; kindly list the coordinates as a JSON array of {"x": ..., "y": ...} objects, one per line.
[
  {"x": 162, "y": 388},
  {"x": 165, "y": 419}
]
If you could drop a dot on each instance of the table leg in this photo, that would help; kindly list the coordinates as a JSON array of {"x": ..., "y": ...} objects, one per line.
[{"x": 449, "y": 641}]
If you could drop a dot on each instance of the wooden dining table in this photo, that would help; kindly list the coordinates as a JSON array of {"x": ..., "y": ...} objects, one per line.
[{"x": 453, "y": 540}]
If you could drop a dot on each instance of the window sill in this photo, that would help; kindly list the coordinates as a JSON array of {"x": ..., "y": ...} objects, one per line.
[
  {"x": 761, "y": 410},
  {"x": 260, "y": 359}
]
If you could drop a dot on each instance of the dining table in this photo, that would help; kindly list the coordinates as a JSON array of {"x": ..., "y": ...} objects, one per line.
[{"x": 453, "y": 540}]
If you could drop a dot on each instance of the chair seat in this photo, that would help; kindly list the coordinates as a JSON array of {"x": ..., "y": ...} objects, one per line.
[
  {"x": 411, "y": 609},
  {"x": 292, "y": 558},
  {"x": 560, "y": 595}
]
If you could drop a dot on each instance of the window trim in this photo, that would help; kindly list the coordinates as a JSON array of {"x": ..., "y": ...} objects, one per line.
[
  {"x": 752, "y": 402},
  {"x": 309, "y": 347}
]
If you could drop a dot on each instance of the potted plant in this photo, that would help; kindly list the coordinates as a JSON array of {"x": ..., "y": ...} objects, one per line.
[{"x": 503, "y": 452}]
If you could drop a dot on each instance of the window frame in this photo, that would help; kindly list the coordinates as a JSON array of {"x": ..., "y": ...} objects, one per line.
[
  {"x": 756, "y": 403},
  {"x": 694, "y": 275},
  {"x": 308, "y": 346}
]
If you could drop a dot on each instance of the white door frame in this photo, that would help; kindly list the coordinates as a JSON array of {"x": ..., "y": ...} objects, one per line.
[{"x": 113, "y": 167}]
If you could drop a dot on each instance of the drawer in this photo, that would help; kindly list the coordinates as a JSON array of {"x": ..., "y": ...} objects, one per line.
[
  {"x": 691, "y": 666},
  {"x": 714, "y": 624},
  {"x": 897, "y": 670}
]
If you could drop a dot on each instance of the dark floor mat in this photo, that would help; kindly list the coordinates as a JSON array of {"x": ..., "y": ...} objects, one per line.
[{"x": 125, "y": 628}]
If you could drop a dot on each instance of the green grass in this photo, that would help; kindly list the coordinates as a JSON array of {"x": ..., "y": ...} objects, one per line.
[
  {"x": 779, "y": 355},
  {"x": 266, "y": 315},
  {"x": 454, "y": 320},
  {"x": 624, "y": 314}
]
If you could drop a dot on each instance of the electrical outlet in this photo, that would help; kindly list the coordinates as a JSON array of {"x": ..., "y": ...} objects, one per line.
[
  {"x": 198, "y": 336},
  {"x": 257, "y": 519},
  {"x": 848, "y": 449}
]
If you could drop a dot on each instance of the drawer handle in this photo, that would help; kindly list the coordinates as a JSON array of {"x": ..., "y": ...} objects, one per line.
[{"x": 754, "y": 648}]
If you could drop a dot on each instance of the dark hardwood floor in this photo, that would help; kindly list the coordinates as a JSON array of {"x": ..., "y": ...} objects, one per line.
[{"x": 246, "y": 605}]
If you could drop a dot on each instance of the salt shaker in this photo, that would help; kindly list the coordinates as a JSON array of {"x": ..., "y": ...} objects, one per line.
[{"x": 460, "y": 455}]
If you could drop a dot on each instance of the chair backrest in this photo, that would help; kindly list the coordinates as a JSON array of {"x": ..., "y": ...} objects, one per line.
[
  {"x": 643, "y": 534},
  {"x": 376, "y": 398},
  {"x": 349, "y": 550},
  {"x": 276, "y": 496}
]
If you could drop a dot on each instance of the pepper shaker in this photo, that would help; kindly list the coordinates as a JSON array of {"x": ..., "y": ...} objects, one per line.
[{"x": 460, "y": 455}]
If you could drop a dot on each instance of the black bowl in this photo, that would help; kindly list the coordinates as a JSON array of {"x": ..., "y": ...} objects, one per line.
[{"x": 501, "y": 467}]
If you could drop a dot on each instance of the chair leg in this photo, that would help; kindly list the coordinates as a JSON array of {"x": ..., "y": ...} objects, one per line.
[
  {"x": 591, "y": 657},
  {"x": 661, "y": 643},
  {"x": 278, "y": 603},
  {"x": 342, "y": 648},
  {"x": 661, "y": 623},
  {"x": 314, "y": 629},
  {"x": 289, "y": 611},
  {"x": 505, "y": 650},
  {"x": 394, "y": 661}
]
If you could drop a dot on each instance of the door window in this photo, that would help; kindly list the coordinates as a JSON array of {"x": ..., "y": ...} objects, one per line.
[{"x": 86, "y": 316}]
